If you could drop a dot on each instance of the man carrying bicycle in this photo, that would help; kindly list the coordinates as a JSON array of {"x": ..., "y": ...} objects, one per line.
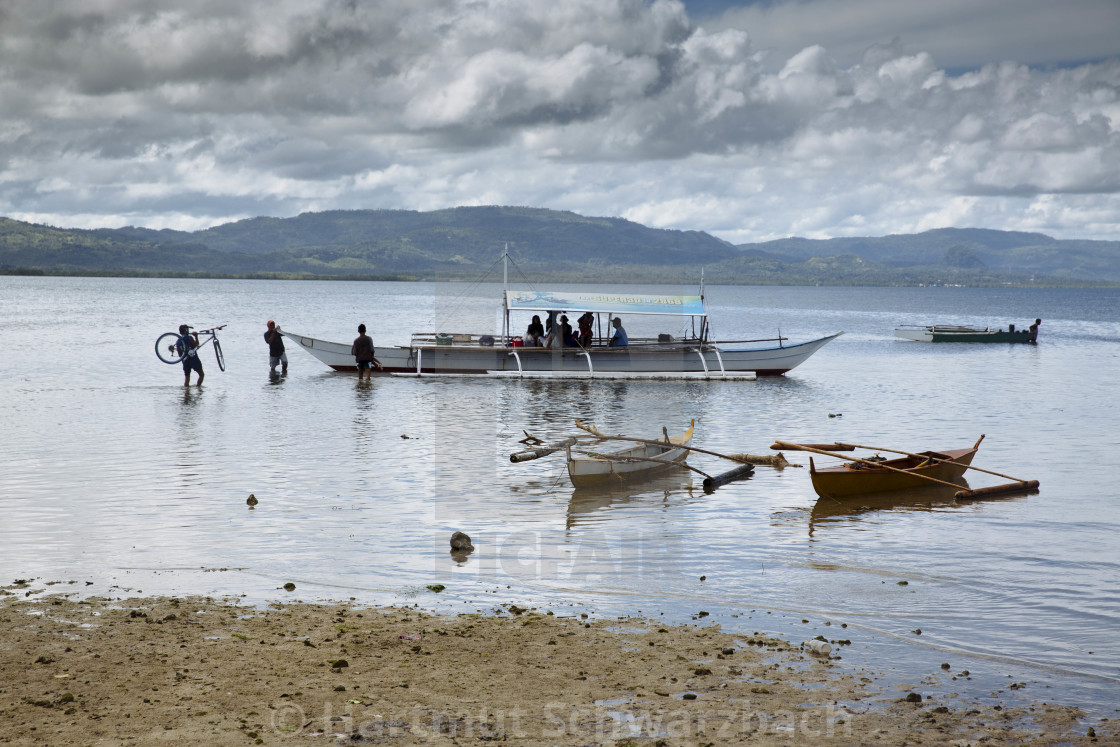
[{"x": 189, "y": 342}]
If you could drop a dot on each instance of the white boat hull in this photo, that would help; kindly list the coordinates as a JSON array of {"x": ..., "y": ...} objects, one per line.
[
  {"x": 917, "y": 334},
  {"x": 636, "y": 361},
  {"x": 627, "y": 464}
]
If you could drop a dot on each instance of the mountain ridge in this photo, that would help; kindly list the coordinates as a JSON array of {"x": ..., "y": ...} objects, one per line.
[{"x": 456, "y": 243}]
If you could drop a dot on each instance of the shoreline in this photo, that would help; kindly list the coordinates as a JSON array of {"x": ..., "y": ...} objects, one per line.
[{"x": 199, "y": 670}]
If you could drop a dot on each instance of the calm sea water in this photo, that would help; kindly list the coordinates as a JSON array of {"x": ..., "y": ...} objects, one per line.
[{"x": 111, "y": 472}]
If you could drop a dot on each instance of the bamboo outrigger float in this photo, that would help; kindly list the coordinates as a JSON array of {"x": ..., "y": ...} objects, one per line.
[{"x": 913, "y": 469}]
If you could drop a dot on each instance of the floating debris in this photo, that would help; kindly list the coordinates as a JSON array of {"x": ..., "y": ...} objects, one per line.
[
  {"x": 822, "y": 648},
  {"x": 251, "y": 500}
]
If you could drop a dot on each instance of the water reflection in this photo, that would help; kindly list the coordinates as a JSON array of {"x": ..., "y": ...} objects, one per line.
[
  {"x": 591, "y": 505},
  {"x": 365, "y": 415},
  {"x": 187, "y": 425},
  {"x": 913, "y": 499}
]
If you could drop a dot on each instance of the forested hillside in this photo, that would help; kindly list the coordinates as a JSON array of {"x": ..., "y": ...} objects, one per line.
[{"x": 547, "y": 245}]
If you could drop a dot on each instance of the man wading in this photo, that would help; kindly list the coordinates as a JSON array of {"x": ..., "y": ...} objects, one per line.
[
  {"x": 276, "y": 354},
  {"x": 362, "y": 350}
]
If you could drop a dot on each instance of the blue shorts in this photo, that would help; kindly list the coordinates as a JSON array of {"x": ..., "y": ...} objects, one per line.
[{"x": 192, "y": 361}]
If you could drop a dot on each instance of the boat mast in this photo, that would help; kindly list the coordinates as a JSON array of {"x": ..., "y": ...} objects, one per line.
[
  {"x": 704, "y": 320},
  {"x": 505, "y": 294}
]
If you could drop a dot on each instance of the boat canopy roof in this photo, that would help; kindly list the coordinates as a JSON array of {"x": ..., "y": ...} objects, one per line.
[{"x": 613, "y": 303}]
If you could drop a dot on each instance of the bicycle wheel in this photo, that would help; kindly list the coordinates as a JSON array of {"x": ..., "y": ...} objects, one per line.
[
  {"x": 218, "y": 353},
  {"x": 169, "y": 348}
]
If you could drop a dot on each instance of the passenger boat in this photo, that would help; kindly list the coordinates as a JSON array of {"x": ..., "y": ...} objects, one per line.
[
  {"x": 943, "y": 333},
  {"x": 691, "y": 354},
  {"x": 877, "y": 475},
  {"x": 629, "y": 463}
]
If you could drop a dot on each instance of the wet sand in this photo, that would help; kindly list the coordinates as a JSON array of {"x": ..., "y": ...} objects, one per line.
[{"x": 188, "y": 670}]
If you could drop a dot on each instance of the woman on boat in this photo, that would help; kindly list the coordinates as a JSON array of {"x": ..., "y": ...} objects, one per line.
[
  {"x": 585, "y": 334},
  {"x": 534, "y": 333}
]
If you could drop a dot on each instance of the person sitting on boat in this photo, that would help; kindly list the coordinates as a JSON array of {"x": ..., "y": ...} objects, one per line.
[
  {"x": 1034, "y": 330},
  {"x": 585, "y": 334},
  {"x": 549, "y": 340},
  {"x": 535, "y": 333},
  {"x": 619, "y": 340},
  {"x": 566, "y": 332}
]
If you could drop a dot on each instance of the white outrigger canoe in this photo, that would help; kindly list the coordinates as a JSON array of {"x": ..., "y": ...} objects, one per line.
[
  {"x": 630, "y": 463},
  {"x": 692, "y": 355}
]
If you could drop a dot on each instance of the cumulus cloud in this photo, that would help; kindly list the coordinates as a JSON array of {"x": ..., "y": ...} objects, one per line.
[{"x": 171, "y": 114}]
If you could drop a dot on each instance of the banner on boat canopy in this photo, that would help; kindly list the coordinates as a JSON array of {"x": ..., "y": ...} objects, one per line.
[{"x": 614, "y": 303}]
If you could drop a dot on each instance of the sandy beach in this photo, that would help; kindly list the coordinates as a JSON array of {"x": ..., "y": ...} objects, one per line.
[{"x": 187, "y": 670}]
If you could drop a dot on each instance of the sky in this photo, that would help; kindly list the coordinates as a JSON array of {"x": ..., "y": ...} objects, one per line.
[{"x": 749, "y": 120}]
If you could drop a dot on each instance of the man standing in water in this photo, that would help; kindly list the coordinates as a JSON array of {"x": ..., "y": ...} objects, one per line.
[
  {"x": 189, "y": 341},
  {"x": 276, "y": 354},
  {"x": 362, "y": 350}
]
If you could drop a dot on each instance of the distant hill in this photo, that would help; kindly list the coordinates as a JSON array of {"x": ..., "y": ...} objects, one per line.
[
  {"x": 547, "y": 245},
  {"x": 1005, "y": 252}
]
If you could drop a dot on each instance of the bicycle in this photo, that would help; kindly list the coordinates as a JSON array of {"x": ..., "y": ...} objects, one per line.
[{"x": 170, "y": 348}]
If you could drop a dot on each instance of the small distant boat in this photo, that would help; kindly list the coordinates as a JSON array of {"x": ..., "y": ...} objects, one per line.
[
  {"x": 630, "y": 463},
  {"x": 944, "y": 333}
]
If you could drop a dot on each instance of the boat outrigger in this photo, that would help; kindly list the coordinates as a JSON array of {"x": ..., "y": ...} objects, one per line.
[
  {"x": 690, "y": 353},
  {"x": 633, "y": 462},
  {"x": 590, "y": 464},
  {"x": 878, "y": 475}
]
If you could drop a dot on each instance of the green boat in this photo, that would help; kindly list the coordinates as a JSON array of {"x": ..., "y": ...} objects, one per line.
[{"x": 944, "y": 333}]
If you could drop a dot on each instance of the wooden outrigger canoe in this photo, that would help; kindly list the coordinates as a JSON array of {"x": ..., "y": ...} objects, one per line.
[
  {"x": 591, "y": 468},
  {"x": 633, "y": 462},
  {"x": 873, "y": 476},
  {"x": 876, "y": 475}
]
